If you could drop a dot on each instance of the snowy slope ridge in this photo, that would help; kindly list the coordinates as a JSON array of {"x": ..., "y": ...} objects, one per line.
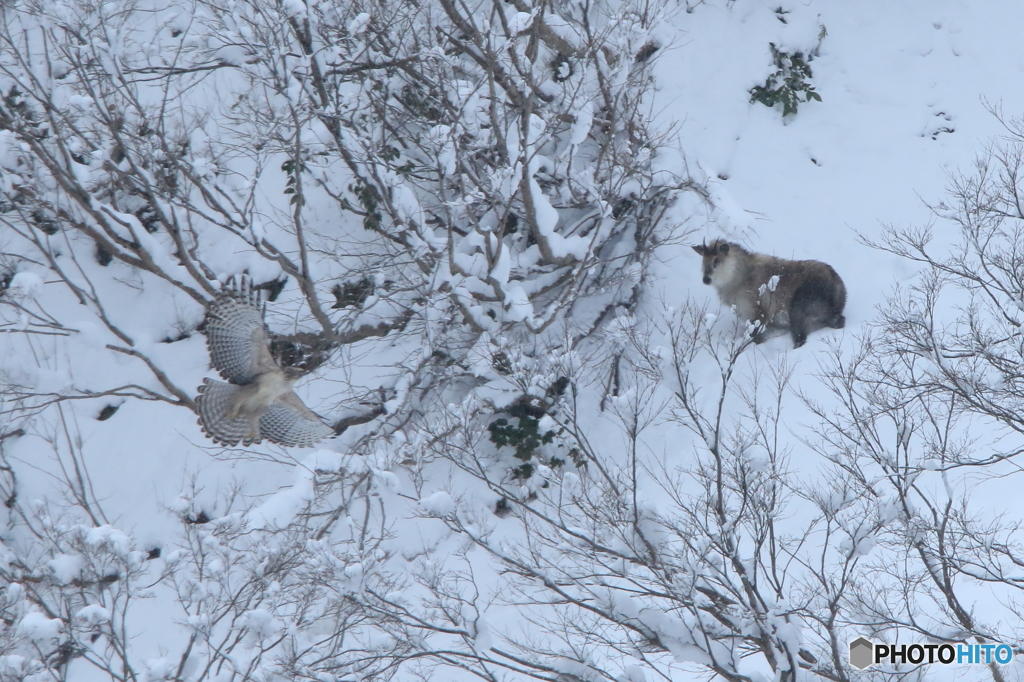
[{"x": 559, "y": 458}]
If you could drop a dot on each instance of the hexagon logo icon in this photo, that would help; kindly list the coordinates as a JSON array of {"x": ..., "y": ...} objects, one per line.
[{"x": 862, "y": 653}]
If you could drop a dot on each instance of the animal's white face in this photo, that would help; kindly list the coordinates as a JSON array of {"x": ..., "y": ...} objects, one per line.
[{"x": 718, "y": 264}]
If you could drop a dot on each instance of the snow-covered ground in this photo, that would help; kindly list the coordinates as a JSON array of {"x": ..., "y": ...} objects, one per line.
[{"x": 907, "y": 93}]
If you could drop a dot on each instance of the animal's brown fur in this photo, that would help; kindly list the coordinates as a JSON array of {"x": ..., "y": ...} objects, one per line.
[{"x": 808, "y": 294}]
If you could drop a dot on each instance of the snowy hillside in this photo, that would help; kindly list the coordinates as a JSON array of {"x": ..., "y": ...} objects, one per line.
[{"x": 556, "y": 456}]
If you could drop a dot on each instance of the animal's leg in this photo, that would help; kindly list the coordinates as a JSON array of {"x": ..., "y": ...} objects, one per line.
[
  {"x": 254, "y": 429},
  {"x": 759, "y": 324},
  {"x": 807, "y": 313},
  {"x": 759, "y": 330},
  {"x": 799, "y": 327},
  {"x": 802, "y": 317}
]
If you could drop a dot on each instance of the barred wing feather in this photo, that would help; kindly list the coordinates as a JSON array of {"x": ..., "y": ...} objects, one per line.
[
  {"x": 236, "y": 335},
  {"x": 289, "y": 422}
]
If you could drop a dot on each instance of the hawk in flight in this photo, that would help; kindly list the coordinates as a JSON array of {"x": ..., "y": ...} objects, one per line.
[{"x": 258, "y": 402}]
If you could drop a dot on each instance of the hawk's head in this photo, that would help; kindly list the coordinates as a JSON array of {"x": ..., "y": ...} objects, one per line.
[{"x": 293, "y": 374}]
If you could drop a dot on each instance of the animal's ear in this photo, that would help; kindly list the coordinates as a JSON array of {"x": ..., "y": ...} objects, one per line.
[
  {"x": 723, "y": 247},
  {"x": 700, "y": 248}
]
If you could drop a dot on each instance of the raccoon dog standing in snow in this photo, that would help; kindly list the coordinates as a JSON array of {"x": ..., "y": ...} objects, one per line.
[{"x": 800, "y": 296}]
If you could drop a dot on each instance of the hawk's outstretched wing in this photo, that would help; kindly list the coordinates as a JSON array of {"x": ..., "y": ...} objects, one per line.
[
  {"x": 236, "y": 335},
  {"x": 289, "y": 422}
]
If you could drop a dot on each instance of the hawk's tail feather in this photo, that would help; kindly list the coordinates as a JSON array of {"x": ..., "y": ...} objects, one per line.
[{"x": 212, "y": 405}]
